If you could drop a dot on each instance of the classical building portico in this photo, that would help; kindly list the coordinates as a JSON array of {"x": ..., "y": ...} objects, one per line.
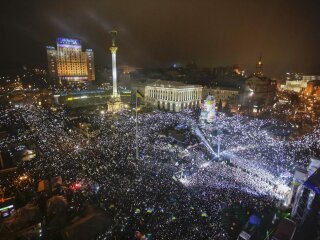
[{"x": 173, "y": 96}]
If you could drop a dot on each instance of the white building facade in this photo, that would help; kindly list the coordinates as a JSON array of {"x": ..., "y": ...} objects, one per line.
[
  {"x": 173, "y": 96},
  {"x": 299, "y": 84}
]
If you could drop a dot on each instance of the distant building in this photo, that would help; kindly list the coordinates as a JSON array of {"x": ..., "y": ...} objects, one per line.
[
  {"x": 299, "y": 83},
  {"x": 124, "y": 79},
  {"x": 69, "y": 63},
  {"x": 222, "y": 94},
  {"x": 227, "y": 71},
  {"x": 313, "y": 89},
  {"x": 52, "y": 62},
  {"x": 81, "y": 98},
  {"x": 90, "y": 65},
  {"x": 125, "y": 69},
  {"x": 173, "y": 96},
  {"x": 293, "y": 76},
  {"x": 259, "y": 92},
  {"x": 259, "y": 68},
  {"x": 227, "y": 76}
]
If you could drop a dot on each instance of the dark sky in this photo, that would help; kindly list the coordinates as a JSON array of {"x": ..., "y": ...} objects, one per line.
[{"x": 161, "y": 32}]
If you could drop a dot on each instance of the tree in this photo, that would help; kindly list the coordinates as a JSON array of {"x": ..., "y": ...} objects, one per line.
[
  {"x": 227, "y": 108},
  {"x": 220, "y": 106}
]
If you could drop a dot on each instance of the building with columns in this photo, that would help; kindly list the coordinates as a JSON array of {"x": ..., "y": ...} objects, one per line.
[{"x": 173, "y": 96}]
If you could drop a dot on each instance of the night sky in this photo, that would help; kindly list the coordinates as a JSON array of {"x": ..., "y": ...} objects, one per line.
[{"x": 161, "y": 32}]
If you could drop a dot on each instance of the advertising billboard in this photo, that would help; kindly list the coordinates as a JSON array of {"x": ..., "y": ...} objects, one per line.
[{"x": 68, "y": 42}]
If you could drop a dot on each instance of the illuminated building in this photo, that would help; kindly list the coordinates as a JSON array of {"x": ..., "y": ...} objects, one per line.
[
  {"x": 259, "y": 92},
  {"x": 69, "y": 63},
  {"x": 125, "y": 76},
  {"x": 222, "y": 94},
  {"x": 313, "y": 89},
  {"x": 52, "y": 62},
  {"x": 299, "y": 83},
  {"x": 227, "y": 71},
  {"x": 91, "y": 70},
  {"x": 173, "y": 96},
  {"x": 259, "y": 67}
]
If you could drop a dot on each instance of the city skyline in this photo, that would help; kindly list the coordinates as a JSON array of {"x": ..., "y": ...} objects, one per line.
[
  {"x": 210, "y": 33},
  {"x": 149, "y": 120}
]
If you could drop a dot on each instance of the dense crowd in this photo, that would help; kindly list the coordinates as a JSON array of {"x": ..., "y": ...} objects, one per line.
[{"x": 175, "y": 189}]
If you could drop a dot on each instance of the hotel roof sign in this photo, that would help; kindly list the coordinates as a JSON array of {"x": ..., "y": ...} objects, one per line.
[{"x": 68, "y": 42}]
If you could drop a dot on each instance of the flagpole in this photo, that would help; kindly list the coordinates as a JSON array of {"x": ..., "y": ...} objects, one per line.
[{"x": 137, "y": 152}]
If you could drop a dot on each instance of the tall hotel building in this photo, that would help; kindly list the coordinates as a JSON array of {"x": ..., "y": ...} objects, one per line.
[{"x": 69, "y": 63}]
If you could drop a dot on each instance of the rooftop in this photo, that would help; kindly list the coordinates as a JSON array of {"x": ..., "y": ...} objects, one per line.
[{"x": 170, "y": 84}]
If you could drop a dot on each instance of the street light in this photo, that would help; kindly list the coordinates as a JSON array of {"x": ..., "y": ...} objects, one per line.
[{"x": 24, "y": 177}]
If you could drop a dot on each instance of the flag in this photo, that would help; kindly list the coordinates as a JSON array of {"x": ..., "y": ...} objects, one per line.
[{"x": 139, "y": 94}]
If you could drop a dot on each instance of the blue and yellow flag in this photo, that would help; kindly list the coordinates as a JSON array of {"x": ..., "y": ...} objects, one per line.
[{"x": 139, "y": 94}]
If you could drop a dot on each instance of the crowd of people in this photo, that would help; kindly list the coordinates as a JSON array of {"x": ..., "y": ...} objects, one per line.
[
  {"x": 152, "y": 182},
  {"x": 252, "y": 139}
]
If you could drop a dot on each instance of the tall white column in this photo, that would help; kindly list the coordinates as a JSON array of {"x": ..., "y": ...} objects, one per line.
[{"x": 113, "y": 50}]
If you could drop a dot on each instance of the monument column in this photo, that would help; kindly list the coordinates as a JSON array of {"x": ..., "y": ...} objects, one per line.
[{"x": 113, "y": 50}]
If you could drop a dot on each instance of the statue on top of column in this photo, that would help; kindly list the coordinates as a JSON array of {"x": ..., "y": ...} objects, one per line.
[{"x": 113, "y": 34}]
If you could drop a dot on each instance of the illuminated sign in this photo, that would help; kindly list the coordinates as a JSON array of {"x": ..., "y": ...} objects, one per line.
[
  {"x": 68, "y": 42},
  {"x": 50, "y": 47},
  {"x": 74, "y": 98}
]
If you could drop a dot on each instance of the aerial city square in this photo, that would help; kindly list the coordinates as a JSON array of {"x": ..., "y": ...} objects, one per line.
[{"x": 160, "y": 120}]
